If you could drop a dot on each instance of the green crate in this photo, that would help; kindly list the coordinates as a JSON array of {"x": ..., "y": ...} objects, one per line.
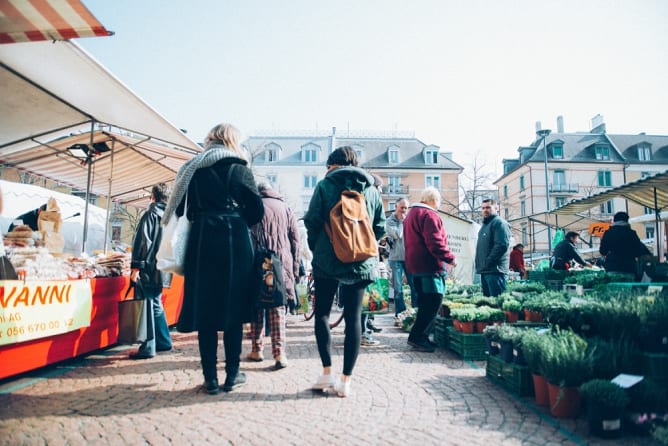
[
  {"x": 512, "y": 377},
  {"x": 655, "y": 366},
  {"x": 554, "y": 285},
  {"x": 471, "y": 347}
]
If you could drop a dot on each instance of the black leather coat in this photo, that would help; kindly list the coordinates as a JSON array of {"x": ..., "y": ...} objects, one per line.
[{"x": 145, "y": 247}]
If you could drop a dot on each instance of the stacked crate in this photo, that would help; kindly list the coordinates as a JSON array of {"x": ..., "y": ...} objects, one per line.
[
  {"x": 512, "y": 377},
  {"x": 472, "y": 347},
  {"x": 441, "y": 331}
]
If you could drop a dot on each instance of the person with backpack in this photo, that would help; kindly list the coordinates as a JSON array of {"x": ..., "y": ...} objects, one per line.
[{"x": 344, "y": 222}]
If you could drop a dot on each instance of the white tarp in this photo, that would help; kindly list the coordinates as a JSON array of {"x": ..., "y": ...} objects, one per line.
[{"x": 21, "y": 198}]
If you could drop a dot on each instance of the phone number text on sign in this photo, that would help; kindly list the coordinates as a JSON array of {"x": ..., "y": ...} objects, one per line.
[{"x": 32, "y": 310}]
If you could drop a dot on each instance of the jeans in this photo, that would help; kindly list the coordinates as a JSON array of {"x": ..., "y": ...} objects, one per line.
[
  {"x": 162, "y": 339},
  {"x": 493, "y": 284},
  {"x": 398, "y": 271},
  {"x": 351, "y": 296}
]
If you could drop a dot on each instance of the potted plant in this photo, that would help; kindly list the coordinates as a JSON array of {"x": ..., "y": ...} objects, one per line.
[
  {"x": 506, "y": 336},
  {"x": 532, "y": 349},
  {"x": 606, "y": 402},
  {"x": 568, "y": 363},
  {"x": 465, "y": 317},
  {"x": 511, "y": 309},
  {"x": 491, "y": 333},
  {"x": 533, "y": 309},
  {"x": 481, "y": 316}
]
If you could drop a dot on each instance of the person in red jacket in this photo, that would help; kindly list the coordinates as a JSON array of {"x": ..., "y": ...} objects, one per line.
[
  {"x": 427, "y": 253},
  {"x": 517, "y": 260}
]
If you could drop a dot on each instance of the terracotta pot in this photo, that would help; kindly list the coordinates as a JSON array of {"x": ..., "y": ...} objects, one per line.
[
  {"x": 467, "y": 327},
  {"x": 540, "y": 390},
  {"x": 564, "y": 401},
  {"x": 480, "y": 326},
  {"x": 456, "y": 325},
  {"x": 533, "y": 316},
  {"x": 512, "y": 316}
]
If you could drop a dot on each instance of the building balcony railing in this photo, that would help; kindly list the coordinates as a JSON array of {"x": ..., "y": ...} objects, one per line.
[
  {"x": 559, "y": 187},
  {"x": 390, "y": 189}
]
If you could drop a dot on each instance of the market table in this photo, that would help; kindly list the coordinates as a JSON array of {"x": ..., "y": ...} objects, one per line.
[{"x": 102, "y": 332}]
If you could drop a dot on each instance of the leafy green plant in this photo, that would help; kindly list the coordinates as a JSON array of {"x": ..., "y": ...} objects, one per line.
[
  {"x": 567, "y": 360},
  {"x": 463, "y": 314},
  {"x": 506, "y": 332},
  {"x": 527, "y": 287},
  {"x": 605, "y": 394},
  {"x": 496, "y": 315},
  {"x": 491, "y": 332},
  {"x": 511, "y": 305},
  {"x": 648, "y": 397},
  {"x": 532, "y": 348},
  {"x": 481, "y": 314}
]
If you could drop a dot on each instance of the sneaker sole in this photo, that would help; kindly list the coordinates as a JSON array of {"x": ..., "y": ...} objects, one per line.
[{"x": 234, "y": 387}]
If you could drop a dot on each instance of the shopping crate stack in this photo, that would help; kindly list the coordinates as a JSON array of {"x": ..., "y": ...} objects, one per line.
[
  {"x": 513, "y": 377},
  {"x": 441, "y": 331},
  {"x": 471, "y": 347}
]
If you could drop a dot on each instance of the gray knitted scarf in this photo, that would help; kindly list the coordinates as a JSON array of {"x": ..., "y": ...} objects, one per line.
[{"x": 207, "y": 158}]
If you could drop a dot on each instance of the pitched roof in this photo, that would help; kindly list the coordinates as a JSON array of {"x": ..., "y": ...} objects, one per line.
[{"x": 374, "y": 151}]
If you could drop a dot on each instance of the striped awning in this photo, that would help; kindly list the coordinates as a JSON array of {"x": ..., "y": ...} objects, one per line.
[{"x": 35, "y": 20}]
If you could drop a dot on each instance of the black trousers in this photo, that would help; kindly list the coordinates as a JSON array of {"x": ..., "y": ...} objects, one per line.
[
  {"x": 351, "y": 297},
  {"x": 208, "y": 351},
  {"x": 426, "y": 315}
]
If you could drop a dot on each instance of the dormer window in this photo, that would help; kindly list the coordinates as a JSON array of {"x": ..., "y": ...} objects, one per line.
[
  {"x": 310, "y": 153},
  {"x": 644, "y": 152},
  {"x": 358, "y": 151},
  {"x": 272, "y": 152},
  {"x": 431, "y": 155},
  {"x": 393, "y": 154},
  {"x": 602, "y": 152},
  {"x": 558, "y": 151}
]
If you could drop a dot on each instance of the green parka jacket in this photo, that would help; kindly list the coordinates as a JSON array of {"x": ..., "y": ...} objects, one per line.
[{"x": 326, "y": 195}]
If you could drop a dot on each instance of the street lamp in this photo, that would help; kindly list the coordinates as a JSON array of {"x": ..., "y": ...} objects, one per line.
[{"x": 543, "y": 134}]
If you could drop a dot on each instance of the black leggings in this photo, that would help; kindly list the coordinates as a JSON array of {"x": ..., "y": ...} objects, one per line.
[
  {"x": 208, "y": 351},
  {"x": 351, "y": 298}
]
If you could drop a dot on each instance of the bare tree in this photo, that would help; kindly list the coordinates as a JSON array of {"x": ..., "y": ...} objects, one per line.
[
  {"x": 475, "y": 185},
  {"x": 128, "y": 214}
]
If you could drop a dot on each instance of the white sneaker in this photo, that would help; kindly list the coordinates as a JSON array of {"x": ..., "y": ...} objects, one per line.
[
  {"x": 368, "y": 341},
  {"x": 342, "y": 388},
  {"x": 324, "y": 382}
]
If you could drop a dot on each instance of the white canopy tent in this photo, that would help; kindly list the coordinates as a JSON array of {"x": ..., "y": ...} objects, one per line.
[{"x": 56, "y": 98}]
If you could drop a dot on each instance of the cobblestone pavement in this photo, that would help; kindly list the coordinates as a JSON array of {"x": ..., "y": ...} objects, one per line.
[{"x": 400, "y": 397}]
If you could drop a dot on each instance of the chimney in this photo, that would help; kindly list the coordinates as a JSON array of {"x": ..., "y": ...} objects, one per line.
[
  {"x": 332, "y": 140},
  {"x": 597, "y": 124},
  {"x": 560, "y": 124},
  {"x": 538, "y": 126}
]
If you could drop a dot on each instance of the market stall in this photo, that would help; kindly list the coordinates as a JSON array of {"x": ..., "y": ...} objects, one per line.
[{"x": 78, "y": 125}]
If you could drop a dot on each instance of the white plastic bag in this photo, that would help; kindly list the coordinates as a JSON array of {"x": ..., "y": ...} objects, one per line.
[{"x": 171, "y": 255}]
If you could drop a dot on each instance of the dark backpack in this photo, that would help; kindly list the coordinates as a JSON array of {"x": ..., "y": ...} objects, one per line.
[
  {"x": 269, "y": 268},
  {"x": 349, "y": 229}
]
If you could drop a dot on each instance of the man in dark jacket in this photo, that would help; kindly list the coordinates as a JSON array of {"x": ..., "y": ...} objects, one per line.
[
  {"x": 621, "y": 246},
  {"x": 145, "y": 274},
  {"x": 491, "y": 256},
  {"x": 564, "y": 253}
]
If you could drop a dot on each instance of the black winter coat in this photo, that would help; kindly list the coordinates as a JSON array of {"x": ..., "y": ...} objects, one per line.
[
  {"x": 145, "y": 247},
  {"x": 621, "y": 247},
  {"x": 219, "y": 258}
]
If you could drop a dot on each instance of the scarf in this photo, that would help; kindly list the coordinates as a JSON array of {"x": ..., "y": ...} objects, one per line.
[{"x": 208, "y": 158}]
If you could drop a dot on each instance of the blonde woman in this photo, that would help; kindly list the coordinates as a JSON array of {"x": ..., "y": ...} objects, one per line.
[{"x": 222, "y": 202}]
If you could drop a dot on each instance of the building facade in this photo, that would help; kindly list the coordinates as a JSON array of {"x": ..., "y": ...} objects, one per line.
[
  {"x": 561, "y": 166},
  {"x": 294, "y": 164}
]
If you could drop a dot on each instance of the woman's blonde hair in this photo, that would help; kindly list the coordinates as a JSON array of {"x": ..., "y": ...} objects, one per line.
[{"x": 227, "y": 135}]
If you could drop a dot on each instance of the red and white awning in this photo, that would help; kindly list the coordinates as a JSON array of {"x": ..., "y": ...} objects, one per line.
[{"x": 35, "y": 20}]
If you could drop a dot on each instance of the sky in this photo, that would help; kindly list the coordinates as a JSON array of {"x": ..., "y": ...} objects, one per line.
[{"x": 472, "y": 77}]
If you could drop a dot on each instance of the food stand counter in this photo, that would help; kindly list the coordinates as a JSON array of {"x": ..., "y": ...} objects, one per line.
[{"x": 102, "y": 332}]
